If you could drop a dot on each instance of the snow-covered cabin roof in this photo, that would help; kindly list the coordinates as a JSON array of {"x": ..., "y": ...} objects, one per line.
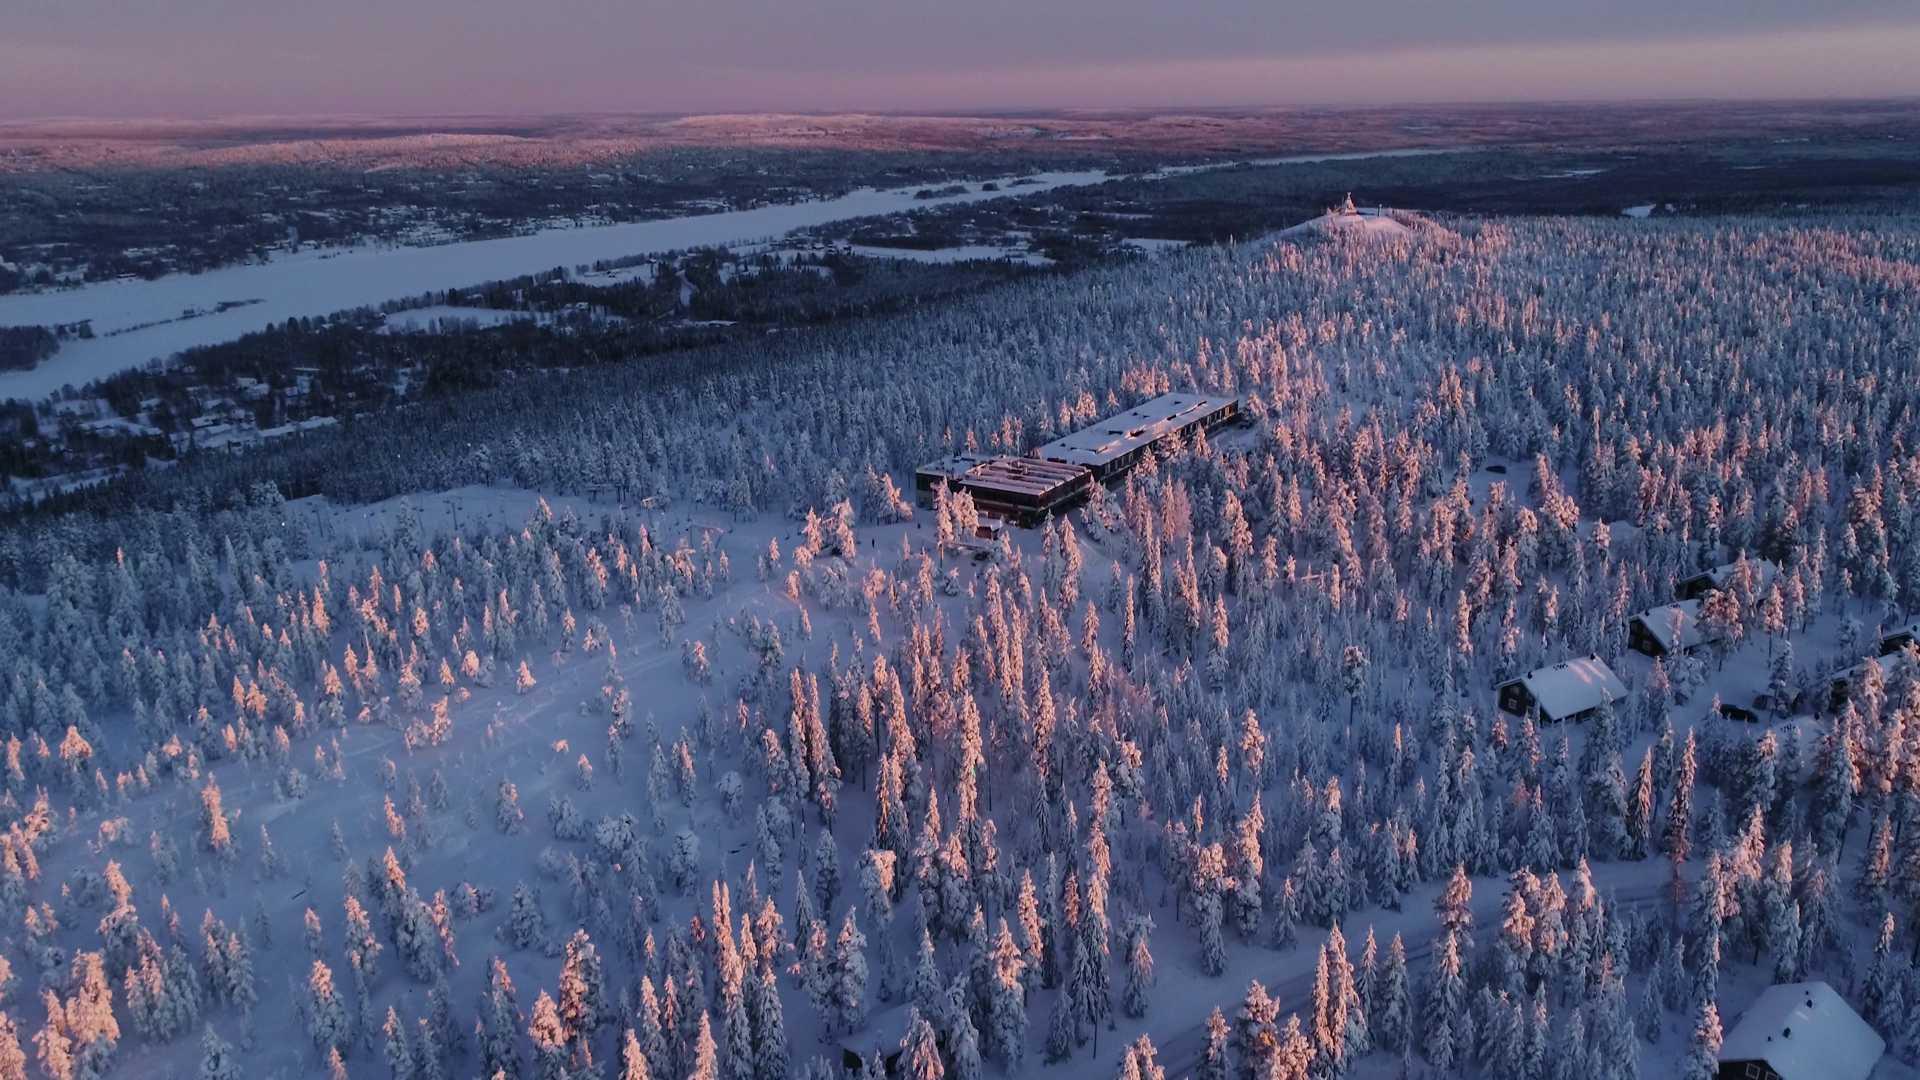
[
  {"x": 1717, "y": 577},
  {"x": 1676, "y": 626},
  {"x": 1891, "y": 665},
  {"x": 1139, "y": 426},
  {"x": 883, "y": 1030},
  {"x": 1805, "y": 1031},
  {"x": 1571, "y": 687},
  {"x": 1897, "y": 638}
]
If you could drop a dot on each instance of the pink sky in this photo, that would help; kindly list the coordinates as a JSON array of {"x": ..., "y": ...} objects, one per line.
[{"x": 206, "y": 57}]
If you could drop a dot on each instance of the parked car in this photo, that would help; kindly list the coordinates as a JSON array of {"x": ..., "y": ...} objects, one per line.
[{"x": 1735, "y": 712}]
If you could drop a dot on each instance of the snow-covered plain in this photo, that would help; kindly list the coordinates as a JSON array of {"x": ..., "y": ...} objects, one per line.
[{"x": 136, "y": 321}]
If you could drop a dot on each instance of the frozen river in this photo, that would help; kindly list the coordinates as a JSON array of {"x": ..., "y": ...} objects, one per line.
[{"x": 138, "y": 321}]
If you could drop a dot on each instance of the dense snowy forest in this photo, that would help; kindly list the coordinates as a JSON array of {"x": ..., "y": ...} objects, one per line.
[{"x": 390, "y": 752}]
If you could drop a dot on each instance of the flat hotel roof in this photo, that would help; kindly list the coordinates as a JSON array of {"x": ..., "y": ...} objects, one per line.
[
  {"x": 1121, "y": 434},
  {"x": 1026, "y": 475}
]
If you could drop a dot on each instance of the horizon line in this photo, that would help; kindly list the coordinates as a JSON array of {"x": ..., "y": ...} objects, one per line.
[{"x": 962, "y": 112}]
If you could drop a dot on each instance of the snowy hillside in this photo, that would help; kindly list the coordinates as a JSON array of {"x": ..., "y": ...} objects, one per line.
[
  {"x": 645, "y": 722},
  {"x": 1364, "y": 223}
]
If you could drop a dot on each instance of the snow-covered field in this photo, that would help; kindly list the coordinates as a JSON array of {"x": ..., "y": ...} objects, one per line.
[{"x": 443, "y": 316}]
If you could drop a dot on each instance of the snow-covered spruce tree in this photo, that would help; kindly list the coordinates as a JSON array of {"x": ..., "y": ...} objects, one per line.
[
  {"x": 1881, "y": 992},
  {"x": 704, "y": 1063},
  {"x": 848, "y": 993},
  {"x": 583, "y": 992},
  {"x": 397, "y": 1046},
  {"x": 920, "y": 1050},
  {"x": 633, "y": 1061},
  {"x": 218, "y": 1061},
  {"x": 1213, "y": 1060},
  {"x": 327, "y": 1022},
  {"x": 1139, "y": 989},
  {"x": 417, "y": 939},
  {"x": 1006, "y": 1013},
  {"x": 1255, "y": 1030},
  {"x": 1089, "y": 985},
  {"x": 1445, "y": 1007},
  {"x": 508, "y": 817},
  {"x": 653, "y": 1029},
  {"x": 548, "y": 1034},
  {"x": 1062, "y": 1036},
  {"x": 498, "y": 1025},
  {"x": 770, "y": 1049},
  {"x": 1702, "y": 1060}
]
